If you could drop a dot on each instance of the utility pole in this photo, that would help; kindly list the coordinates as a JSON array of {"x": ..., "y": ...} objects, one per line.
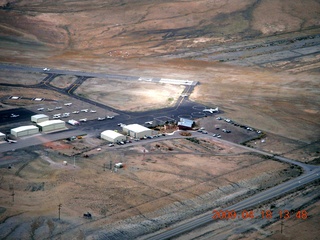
[
  {"x": 281, "y": 226},
  {"x": 59, "y": 207},
  {"x": 144, "y": 154},
  {"x": 12, "y": 191},
  {"x": 12, "y": 194}
]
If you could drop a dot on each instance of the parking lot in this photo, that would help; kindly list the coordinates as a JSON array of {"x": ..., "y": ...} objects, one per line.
[{"x": 227, "y": 129}]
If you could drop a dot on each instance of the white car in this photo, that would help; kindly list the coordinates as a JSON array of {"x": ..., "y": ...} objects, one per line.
[
  {"x": 83, "y": 120},
  {"x": 40, "y": 109},
  {"x": 75, "y": 112},
  {"x": 84, "y": 110},
  {"x": 101, "y": 118},
  {"x": 93, "y": 111},
  {"x": 46, "y": 69},
  {"x": 110, "y": 117}
]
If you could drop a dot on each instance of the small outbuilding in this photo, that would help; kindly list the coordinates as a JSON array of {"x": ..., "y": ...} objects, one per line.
[
  {"x": 112, "y": 136},
  {"x": 52, "y": 125},
  {"x": 24, "y": 131},
  {"x": 137, "y": 131},
  {"x": 39, "y": 118}
]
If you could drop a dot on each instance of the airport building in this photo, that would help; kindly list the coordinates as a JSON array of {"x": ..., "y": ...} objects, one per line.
[
  {"x": 24, "y": 131},
  {"x": 39, "y": 118},
  {"x": 112, "y": 136},
  {"x": 136, "y": 130},
  {"x": 185, "y": 124},
  {"x": 52, "y": 125}
]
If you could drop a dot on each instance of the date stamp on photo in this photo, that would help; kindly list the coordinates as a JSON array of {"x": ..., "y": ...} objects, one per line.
[{"x": 263, "y": 214}]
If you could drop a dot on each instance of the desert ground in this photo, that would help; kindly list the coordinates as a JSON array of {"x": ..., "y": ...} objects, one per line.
[{"x": 258, "y": 61}]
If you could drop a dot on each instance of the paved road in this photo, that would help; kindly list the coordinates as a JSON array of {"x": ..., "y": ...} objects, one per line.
[
  {"x": 243, "y": 205},
  {"x": 311, "y": 174}
]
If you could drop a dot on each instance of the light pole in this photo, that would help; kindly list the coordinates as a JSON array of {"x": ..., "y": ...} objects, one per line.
[{"x": 59, "y": 207}]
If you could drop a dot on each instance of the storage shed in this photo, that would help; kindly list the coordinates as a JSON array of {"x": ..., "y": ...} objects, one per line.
[
  {"x": 52, "y": 125},
  {"x": 112, "y": 136},
  {"x": 137, "y": 131},
  {"x": 39, "y": 118},
  {"x": 24, "y": 131}
]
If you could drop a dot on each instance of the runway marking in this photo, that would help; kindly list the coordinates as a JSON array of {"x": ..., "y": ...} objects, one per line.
[
  {"x": 175, "y": 81},
  {"x": 145, "y": 79}
]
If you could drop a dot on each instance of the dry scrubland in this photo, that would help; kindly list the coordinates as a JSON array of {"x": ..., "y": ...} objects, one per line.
[
  {"x": 173, "y": 174},
  {"x": 129, "y": 37},
  {"x": 156, "y": 39},
  {"x": 141, "y": 95}
]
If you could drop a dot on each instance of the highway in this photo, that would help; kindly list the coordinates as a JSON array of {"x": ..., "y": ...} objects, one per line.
[{"x": 311, "y": 174}]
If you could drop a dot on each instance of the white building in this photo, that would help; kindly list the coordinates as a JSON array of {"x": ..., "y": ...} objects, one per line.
[
  {"x": 136, "y": 130},
  {"x": 52, "y": 125},
  {"x": 39, "y": 118},
  {"x": 24, "y": 131},
  {"x": 112, "y": 136}
]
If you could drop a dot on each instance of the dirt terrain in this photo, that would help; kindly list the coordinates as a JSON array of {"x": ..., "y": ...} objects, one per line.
[
  {"x": 175, "y": 173},
  {"x": 257, "y": 60}
]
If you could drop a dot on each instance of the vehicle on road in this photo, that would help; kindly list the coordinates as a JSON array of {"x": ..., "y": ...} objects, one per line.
[
  {"x": 46, "y": 69},
  {"x": 75, "y": 112},
  {"x": 110, "y": 117},
  {"x": 93, "y": 111},
  {"x": 68, "y": 104},
  {"x": 101, "y": 118},
  {"x": 14, "y": 115},
  {"x": 110, "y": 144},
  {"x": 40, "y": 109},
  {"x": 50, "y": 109},
  {"x": 58, "y": 108},
  {"x": 84, "y": 110},
  {"x": 83, "y": 120},
  {"x": 149, "y": 122},
  {"x": 11, "y": 141}
]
